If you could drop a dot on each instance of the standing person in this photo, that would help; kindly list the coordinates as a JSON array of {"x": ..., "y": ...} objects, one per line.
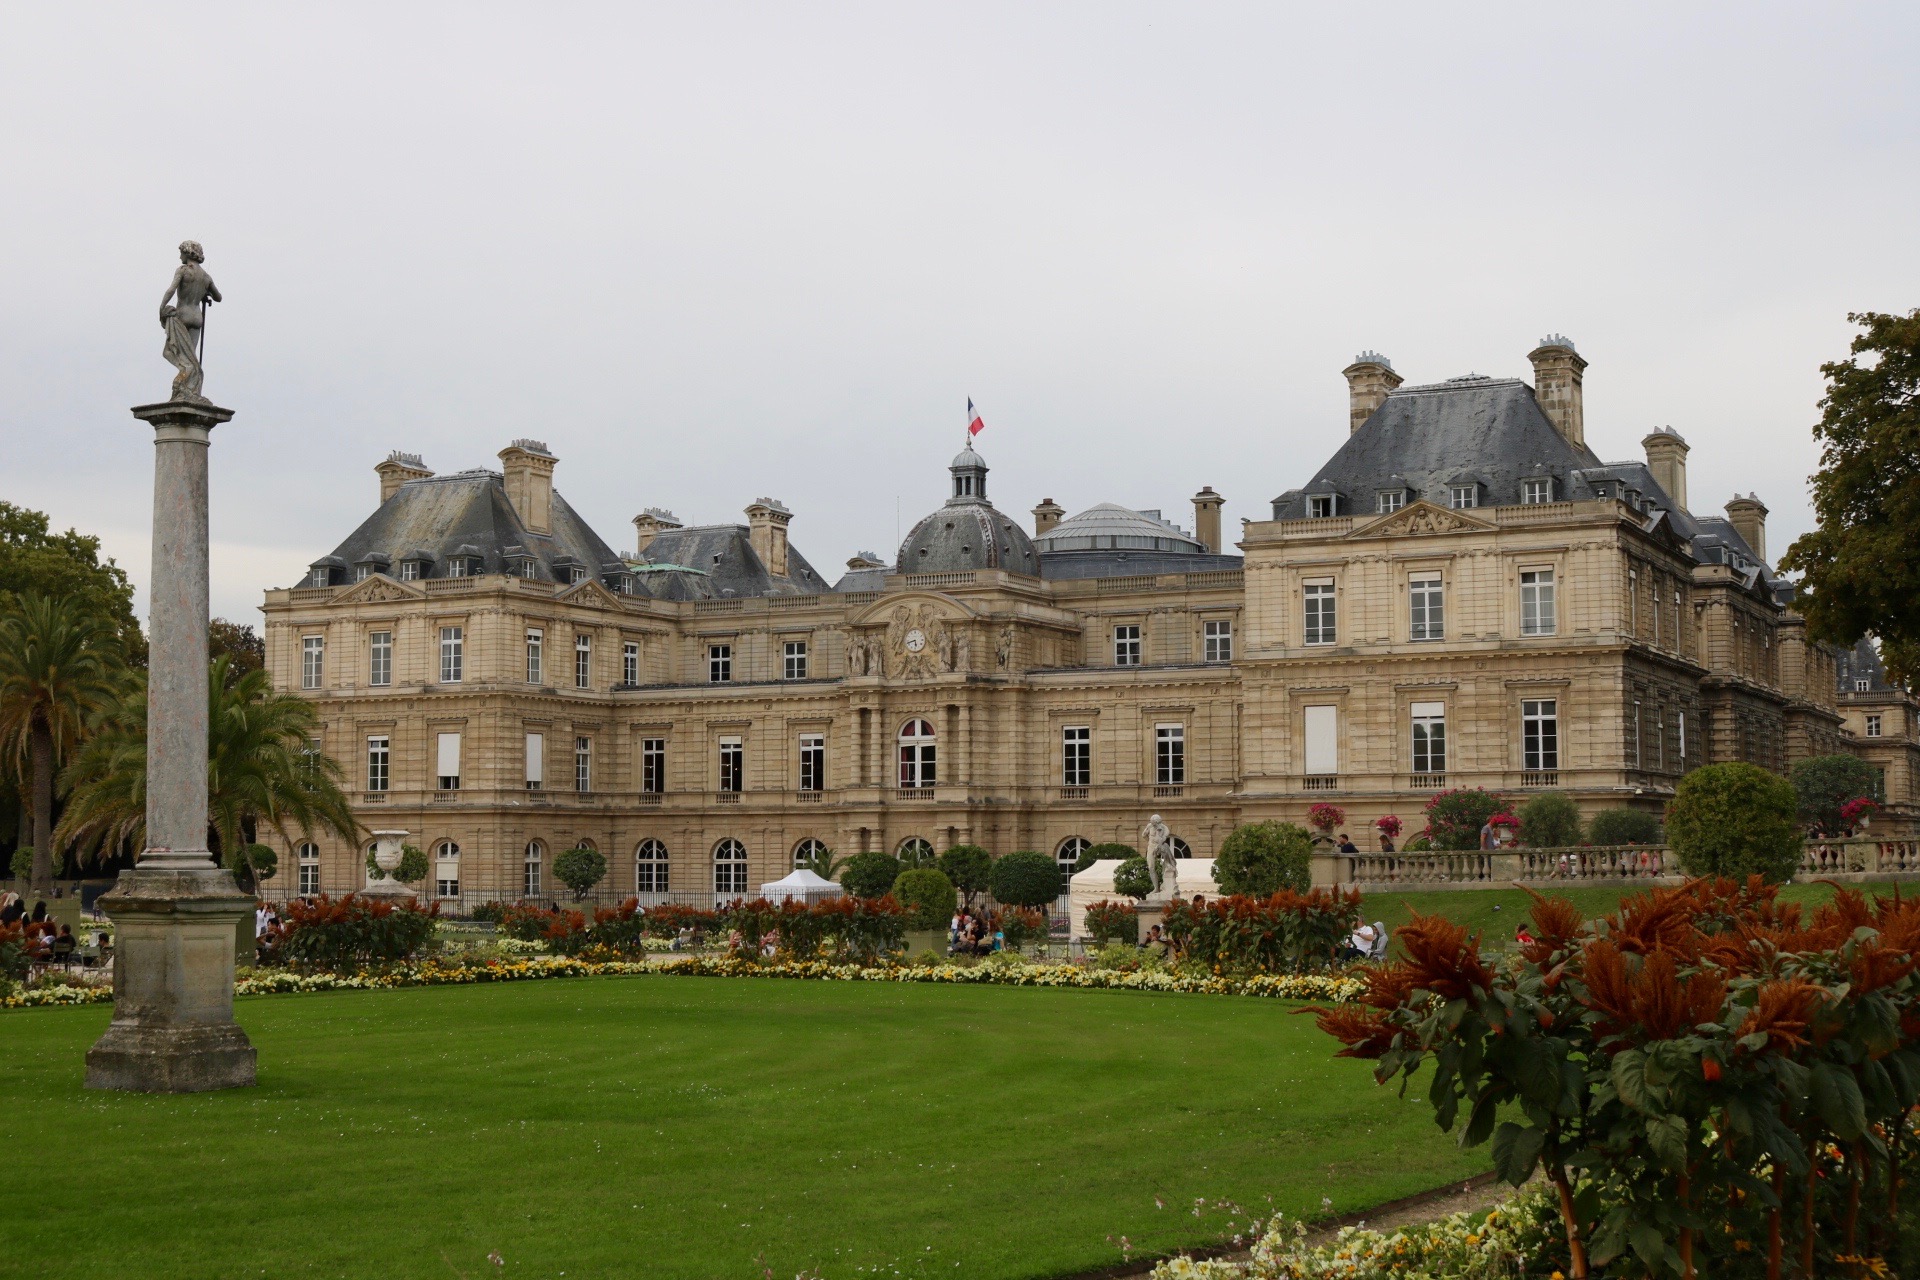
[
  {"x": 1489, "y": 838},
  {"x": 1346, "y": 844}
]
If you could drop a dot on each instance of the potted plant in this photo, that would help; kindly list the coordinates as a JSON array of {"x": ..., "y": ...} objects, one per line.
[
  {"x": 1324, "y": 817},
  {"x": 1389, "y": 828}
]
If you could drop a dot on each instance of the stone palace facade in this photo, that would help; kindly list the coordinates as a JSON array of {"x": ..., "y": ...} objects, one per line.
[{"x": 1464, "y": 595}]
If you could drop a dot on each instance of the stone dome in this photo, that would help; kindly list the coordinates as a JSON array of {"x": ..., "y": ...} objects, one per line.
[
  {"x": 1111, "y": 527},
  {"x": 968, "y": 533}
]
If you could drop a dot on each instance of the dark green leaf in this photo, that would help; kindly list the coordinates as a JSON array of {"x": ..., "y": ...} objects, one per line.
[
  {"x": 1630, "y": 1078},
  {"x": 1516, "y": 1148},
  {"x": 1836, "y": 1097}
]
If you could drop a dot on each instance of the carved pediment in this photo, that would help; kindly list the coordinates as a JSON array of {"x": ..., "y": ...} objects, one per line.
[
  {"x": 591, "y": 591},
  {"x": 1422, "y": 517},
  {"x": 379, "y": 589}
]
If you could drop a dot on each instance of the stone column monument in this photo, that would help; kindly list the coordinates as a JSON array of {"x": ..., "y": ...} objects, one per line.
[{"x": 176, "y": 912}]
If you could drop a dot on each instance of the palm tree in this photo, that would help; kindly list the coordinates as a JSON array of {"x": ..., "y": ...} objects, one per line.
[
  {"x": 264, "y": 768},
  {"x": 59, "y": 667}
]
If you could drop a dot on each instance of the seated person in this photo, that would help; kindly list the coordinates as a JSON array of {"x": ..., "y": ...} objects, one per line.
[
  {"x": 1360, "y": 944},
  {"x": 1157, "y": 941},
  {"x": 65, "y": 944}
]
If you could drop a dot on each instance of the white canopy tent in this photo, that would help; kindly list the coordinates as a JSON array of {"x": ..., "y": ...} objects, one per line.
[{"x": 801, "y": 886}]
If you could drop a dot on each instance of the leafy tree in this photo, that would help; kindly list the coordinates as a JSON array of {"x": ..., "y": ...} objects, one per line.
[
  {"x": 22, "y": 863},
  {"x": 916, "y": 853},
  {"x": 1107, "y": 852},
  {"x": 1550, "y": 821},
  {"x": 251, "y": 864},
  {"x": 927, "y": 895},
  {"x": 237, "y": 642},
  {"x": 1735, "y": 820},
  {"x": 1454, "y": 818},
  {"x": 580, "y": 869},
  {"x": 37, "y": 562},
  {"x": 969, "y": 867},
  {"x": 1025, "y": 879},
  {"x": 870, "y": 875},
  {"x": 1262, "y": 858},
  {"x": 1860, "y": 574},
  {"x": 263, "y": 770},
  {"x": 1824, "y": 783},
  {"x": 823, "y": 863},
  {"x": 1624, "y": 826},
  {"x": 1133, "y": 878},
  {"x": 59, "y": 668}
]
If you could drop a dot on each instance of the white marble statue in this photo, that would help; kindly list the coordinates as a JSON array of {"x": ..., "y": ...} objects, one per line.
[{"x": 1157, "y": 847}]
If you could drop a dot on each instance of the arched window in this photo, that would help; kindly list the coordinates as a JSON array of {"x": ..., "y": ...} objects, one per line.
[
  {"x": 1181, "y": 849},
  {"x": 1068, "y": 856},
  {"x": 916, "y": 756},
  {"x": 729, "y": 867},
  {"x": 446, "y": 870},
  {"x": 915, "y": 852},
  {"x": 808, "y": 850},
  {"x": 530, "y": 880},
  {"x": 650, "y": 867},
  {"x": 309, "y": 857}
]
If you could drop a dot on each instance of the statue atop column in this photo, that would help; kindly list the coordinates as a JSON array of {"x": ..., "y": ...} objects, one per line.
[{"x": 186, "y": 324}]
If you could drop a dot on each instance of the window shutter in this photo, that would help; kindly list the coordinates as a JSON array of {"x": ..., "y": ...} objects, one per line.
[
  {"x": 449, "y": 755},
  {"x": 1323, "y": 743},
  {"x": 536, "y": 757}
]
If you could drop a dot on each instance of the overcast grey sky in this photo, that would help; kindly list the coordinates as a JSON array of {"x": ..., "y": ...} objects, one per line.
[{"x": 710, "y": 252}]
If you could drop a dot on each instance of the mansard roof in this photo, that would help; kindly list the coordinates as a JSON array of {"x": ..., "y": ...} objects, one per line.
[
  {"x": 1862, "y": 662},
  {"x": 717, "y": 560}
]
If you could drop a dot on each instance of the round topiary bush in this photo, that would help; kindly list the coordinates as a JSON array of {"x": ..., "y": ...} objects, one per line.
[
  {"x": 927, "y": 895},
  {"x": 1262, "y": 858},
  {"x": 1825, "y": 783},
  {"x": 1025, "y": 879},
  {"x": 1133, "y": 878},
  {"x": 1623, "y": 826},
  {"x": 968, "y": 866},
  {"x": 870, "y": 875},
  {"x": 1550, "y": 821},
  {"x": 580, "y": 870},
  {"x": 1111, "y": 851},
  {"x": 1735, "y": 820}
]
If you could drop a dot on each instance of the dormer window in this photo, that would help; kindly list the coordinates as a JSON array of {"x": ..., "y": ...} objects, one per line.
[
  {"x": 463, "y": 567},
  {"x": 1320, "y": 506},
  {"x": 576, "y": 574},
  {"x": 361, "y": 573},
  {"x": 1462, "y": 496},
  {"x": 1390, "y": 500},
  {"x": 319, "y": 577},
  {"x": 409, "y": 570},
  {"x": 1541, "y": 490},
  {"x": 620, "y": 584},
  {"x": 526, "y": 567}
]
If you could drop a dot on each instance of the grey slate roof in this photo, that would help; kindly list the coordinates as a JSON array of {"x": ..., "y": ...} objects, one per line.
[
  {"x": 967, "y": 533},
  {"x": 1111, "y": 527},
  {"x": 727, "y": 565},
  {"x": 1862, "y": 662}
]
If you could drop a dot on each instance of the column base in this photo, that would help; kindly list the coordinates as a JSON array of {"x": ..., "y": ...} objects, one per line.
[{"x": 138, "y": 1059}]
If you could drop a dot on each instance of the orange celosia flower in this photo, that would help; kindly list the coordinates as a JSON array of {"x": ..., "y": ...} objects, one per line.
[
  {"x": 1443, "y": 958},
  {"x": 1783, "y": 1011}
]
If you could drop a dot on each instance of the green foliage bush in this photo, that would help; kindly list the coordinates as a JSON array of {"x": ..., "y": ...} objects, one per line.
[
  {"x": 1261, "y": 858},
  {"x": 1454, "y": 818},
  {"x": 22, "y": 863},
  {"x": 1114, "y": 922},
  {"x": 1824, "y": 783},
  {"x": 870, "y": 875},
  {"x": 1550, "y": 821},
  {"x": 251, "y": 865},
  {"x": 927, "y": 895},
  {"x": 1735, "y": 820},
  {"x": 1025, "y": 879},
  {"x": 1133, "y": 878},
  {"x": 1286, "y": 932},
  {"x": 1018, "y": 926},
  {"x": 1111, "y": 851},
  {"x": 580, "y": 870},
  {"x": 1624, "y": 826},
  {"x": 969, "y": 867},
  {"x": 412, "y": 868},
  {"x": 343, "y": 934}
]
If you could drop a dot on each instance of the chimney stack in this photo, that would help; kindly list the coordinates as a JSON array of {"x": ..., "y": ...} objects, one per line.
[
  {"x": 529, "y": 470},
  {"x": 1667, "y": 460},
  {"x": 767, "y": 524},
  {"x": 1556, "y": 385},
  {"x": 397, "y": 470},
  {"x": 1046, "y": 515},
  {"x": 1748, "y": 516},
  {"x": 1206, "y": 518},
  {"x": 650, "y": 523},
  {"x": 1369, "y": 378},
  {"x": 864, "y": 560}
]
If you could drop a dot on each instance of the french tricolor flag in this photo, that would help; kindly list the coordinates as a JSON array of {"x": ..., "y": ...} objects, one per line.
[{"x": 974, "y": 425}]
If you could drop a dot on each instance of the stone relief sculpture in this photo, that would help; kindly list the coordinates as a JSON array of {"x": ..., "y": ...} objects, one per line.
[
  {"x": 1003, "y": 652},
  {"x": 963, "y": 652},
  {"x": 945, "y": 643},
  {"x": 919, "y": 644},
  {"x": 186, "y": 324},
  {"x": 1157, "y": 846},
  {"x": 856, "y": 655}
]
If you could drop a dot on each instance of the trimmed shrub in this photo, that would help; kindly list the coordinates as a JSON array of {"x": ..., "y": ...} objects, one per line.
[
  {"x": 342, "y": 934},
  {"x": 1025, "y": 879},
  {"x": 1264, "y": 857},
  {"x": 1454, "y": 818},
  {"x": 1623, "y": 826},
  {"x": 927, "y": 895},
  {"x": 1113, "y": 922},
  {"x": 1285, "y": 932},
  {"x": 1112, "y": 851},
  {"x": 968, "y": 866},
  {"x": 580, "y": 870},
  {"x": 1550, "y": 821},
  {"x": 1133, "y": 878},
  {"x": 1824, "y": 784},
  {"x": 1735, "y": 820},
  {"x": 870, "y": 875},
  {"x": 1018, "y": 926}
]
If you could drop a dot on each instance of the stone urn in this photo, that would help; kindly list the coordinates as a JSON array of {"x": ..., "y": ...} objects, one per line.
[{"x": 386, "y": 856}]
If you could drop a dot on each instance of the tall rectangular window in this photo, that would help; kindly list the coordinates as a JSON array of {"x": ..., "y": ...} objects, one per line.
[
  {"x": 1537, "y": 612},
  {"x": 313, "y": 661},
  {"x": 583, "y": 764},
  {"x": 451, "y": 662},
  {"x": 1633, "y": 736},
  {"x": 630, "y": 663},
  {"x": 1216, "y": 639},
  {"x": 1126, "y": 646},
  {"x": 1317, "y": 599},
  {"x": 796, "y": 660},
  {"x": 582, "y": 662},
  {"x": 1429, "y": 737},
  {"x": 536, "y": 761},
  {"x": 653, "y": 765},
  {"x": 1680, "y": 727},
  {"x": 813, "y": 762},
  {"x": 447, "y": 760},
  {"x": 1076, "y": 756},
  {"x": 309, "y": 870},
  {"x": 1462, "y": 496},
  {"x": 1873, "y": 726},
  {"x": 1322, "y": 755},
  {"x": 379, "y": 762},
  {"x": 1633, "y": 601},
  {"x": 536, "y": 655},
  {"x": 379, "y": 657},
  {"x": 1170, "y": 754},
  {"x": 409, "y": 571},
  {"x": 1659, "y": 737},
  {"x": 1539, "y": 734},
  {"x": 1536, "y": 490},
  {"x": 733, "y": 760},
  {"x": 1427, "y": 607},
  {"x": 719, "y": 663}
]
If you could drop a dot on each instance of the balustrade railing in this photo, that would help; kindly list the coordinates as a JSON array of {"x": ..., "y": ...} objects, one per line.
[
  {"x": 1599, "y": 862},
  {"x": 1425, "y": 868}
]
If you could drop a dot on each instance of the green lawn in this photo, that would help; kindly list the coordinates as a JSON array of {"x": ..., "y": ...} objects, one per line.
[{"x": 670, "y": 1127}]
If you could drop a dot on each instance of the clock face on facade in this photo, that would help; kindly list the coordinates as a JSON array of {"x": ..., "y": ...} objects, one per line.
[{"x": 916, "y": 640}]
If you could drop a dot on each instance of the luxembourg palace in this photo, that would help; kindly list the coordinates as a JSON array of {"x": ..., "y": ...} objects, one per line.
[{"x": 1464, "y": 595}]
